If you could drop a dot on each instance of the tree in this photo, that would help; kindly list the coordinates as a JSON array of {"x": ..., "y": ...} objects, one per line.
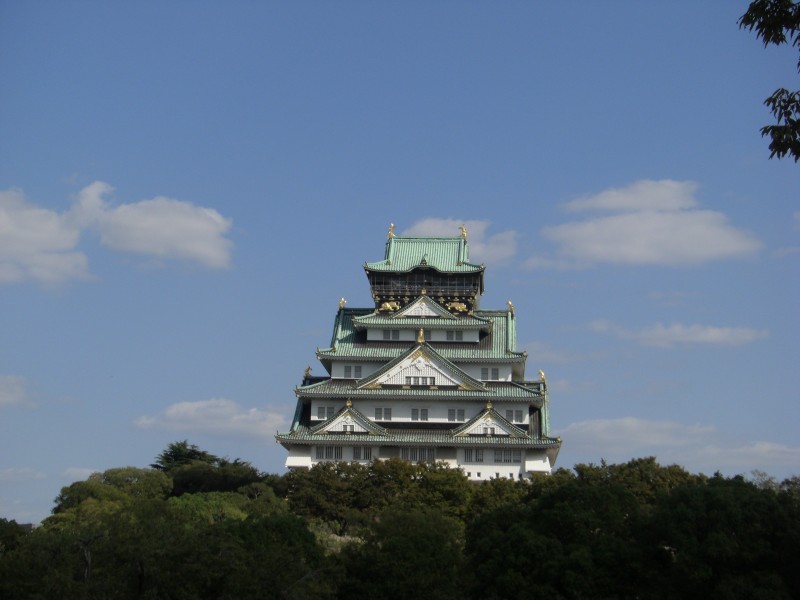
[
  {"x": 408, "y": 553},
  {"x": 115, "y": 485},
  {"x": 724, "y": 538},
  {"x": 200, "y": 476},
  {"x": 181, "y": 453},
  {"x": 494, "y": 494},
  {"x": 777, "y": 22},
  {"x": 11, "y": 533}
]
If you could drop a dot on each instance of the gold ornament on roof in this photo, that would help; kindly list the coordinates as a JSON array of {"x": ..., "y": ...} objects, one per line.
[
  {"x": 391, "y": 231},
  {"x": 541, "y": 375},
  {"x": 307, "y": 372},
  {"x": 342, "y": 302},
  {"x": 463, "y": 231},
  {"x": 511, "y": 307},
  {"x": 349, "y": 403},
  {"x": 421, "y": 336},
  {"x": 489, "y": 405}
]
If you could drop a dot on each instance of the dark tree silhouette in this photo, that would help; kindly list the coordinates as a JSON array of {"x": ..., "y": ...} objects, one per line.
[{"x": 777, "y": 22}]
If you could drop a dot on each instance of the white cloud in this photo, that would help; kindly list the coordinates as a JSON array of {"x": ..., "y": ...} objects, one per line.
[
  {"x": 641, "y": 195},
  {"x": 160, "y": 227},
  {"x": 630, "y": 432},
  {"x": 216, "y": 416},
  {"x": 677, "y": 333},
  {"x": 655, "y": 223},
  {"x": 20, "y": 474},
  {"x": 496, "y": 249},
  {"x": 12, "y": 391},
  {"x": 39, "y": 244},
  {"x": 696, "y": 447}
]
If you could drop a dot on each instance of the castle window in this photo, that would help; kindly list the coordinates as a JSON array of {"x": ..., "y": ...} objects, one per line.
[
  {"x": 420, "y": 381},
  {"x": 507, "y": 456},
  {"x": 324, "y": 412},
  {"x": 362, "y": 453},
  {"x": 419, "y": 414},
  {"x": 383, "y": 414},
  {"x": 515, "y": 416},
  {"x": 455, "y": 414},
  {"x": 352, "y": 371},
  {"x": 455, "y": 336},
  {"x": 488, "y": 431},
  {"x": 415, "y": 454},
  {"x": 391, "y": 334},
  {"x": 473, "y": 455},
  {"x": 488, "y": 374},
  {"x": 329, "y": 453}
]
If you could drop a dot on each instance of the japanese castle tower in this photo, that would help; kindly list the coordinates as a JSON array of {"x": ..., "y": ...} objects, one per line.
[{"x": 424, "y": 374}]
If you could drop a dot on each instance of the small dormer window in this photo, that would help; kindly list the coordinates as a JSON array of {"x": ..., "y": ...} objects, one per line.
[{"x": 488, "y": 431}]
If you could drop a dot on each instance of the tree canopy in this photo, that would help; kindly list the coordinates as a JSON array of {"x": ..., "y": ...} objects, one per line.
[
  {"x": 392, "y": 529},
  {"x": 777, "y": 22}
]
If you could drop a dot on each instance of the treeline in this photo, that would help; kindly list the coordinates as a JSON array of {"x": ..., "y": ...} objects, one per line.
[{"x": 194, "y": 525}]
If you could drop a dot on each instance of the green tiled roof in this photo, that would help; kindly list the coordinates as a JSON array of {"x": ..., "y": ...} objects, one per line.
[
  {"x": 350, "y": 343},
  {"x": 494, "y": 391},
  {"x": 447, "y": 255},
  {"x": 411, "y": 437}
]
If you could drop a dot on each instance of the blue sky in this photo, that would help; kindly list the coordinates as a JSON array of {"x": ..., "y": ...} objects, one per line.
[{"x": 188, "y": 188}]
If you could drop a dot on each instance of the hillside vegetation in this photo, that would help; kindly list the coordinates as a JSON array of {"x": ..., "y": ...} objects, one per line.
[{"x": 194, "y": 525}]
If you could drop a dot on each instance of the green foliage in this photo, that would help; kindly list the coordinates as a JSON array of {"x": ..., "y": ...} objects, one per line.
[
  {"x": 181, "y": 453},
  {"x": 199, "y": 476},
  {"x": 348, "y": 494},
  {"x": 574, "y": 542},
  {"x": 777, "y": 22},
  {"x": 495, "y": 494},
  {"x": 724, "y": 539},
  {"x": 11, "y": 533},
  {"x": 392, "y": 529},
  {"x": 642, "y": 477},
  {"x": 141, "y": 483},
  {"x": 73, "y": 495},
  {"x": 211, "y": 507},
  {"x": 407, "y": 554},
  {"x": 114, "y": 485}
]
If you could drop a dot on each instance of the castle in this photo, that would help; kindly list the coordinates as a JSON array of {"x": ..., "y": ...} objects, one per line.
[{"x": 424, "y": 375}]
